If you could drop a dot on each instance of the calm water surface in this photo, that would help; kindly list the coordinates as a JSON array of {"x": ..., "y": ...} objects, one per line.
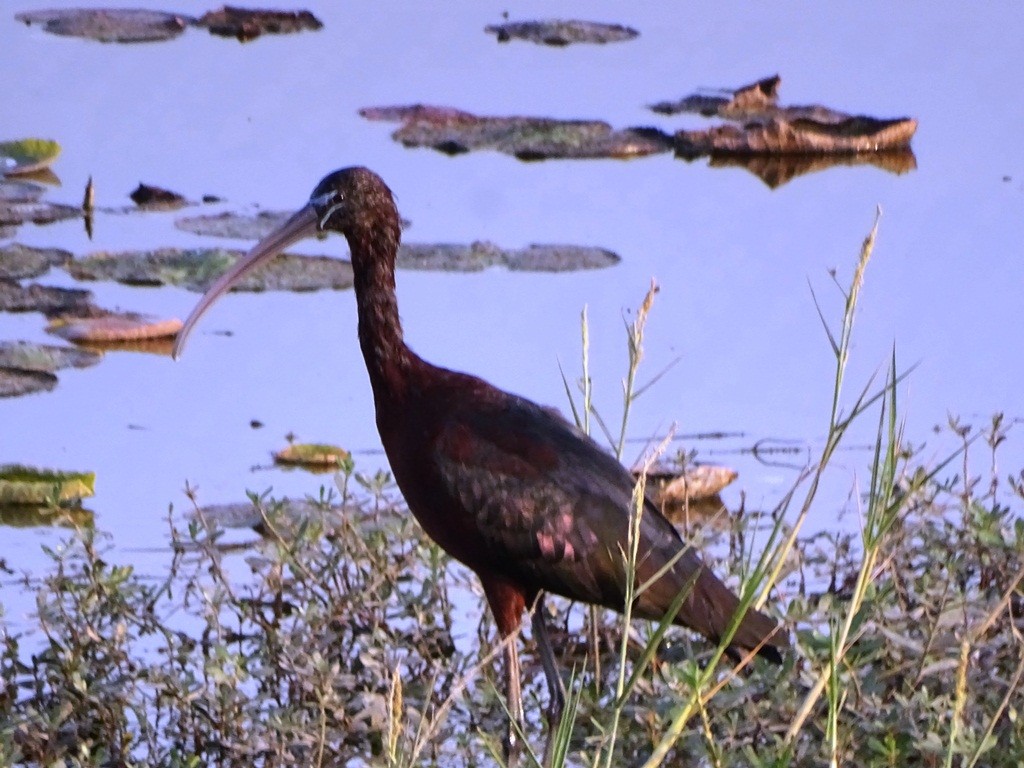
[{"x": 261, "y": 123}]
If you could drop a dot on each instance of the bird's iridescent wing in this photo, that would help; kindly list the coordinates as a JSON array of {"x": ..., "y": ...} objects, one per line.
[{"x": 549, "y": 502}]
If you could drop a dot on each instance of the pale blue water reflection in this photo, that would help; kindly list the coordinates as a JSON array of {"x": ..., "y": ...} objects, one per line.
[{"x": 262, "y": 122}]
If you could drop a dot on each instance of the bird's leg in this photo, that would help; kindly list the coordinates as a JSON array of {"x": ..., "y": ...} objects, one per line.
[
  {"x": 507, "y": 603},
  {"x": 556, "y": 691},
  {"x": 514, "y": 698}
]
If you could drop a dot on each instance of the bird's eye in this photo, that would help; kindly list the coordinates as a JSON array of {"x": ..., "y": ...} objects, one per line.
[{"x": 326, "y": 205}]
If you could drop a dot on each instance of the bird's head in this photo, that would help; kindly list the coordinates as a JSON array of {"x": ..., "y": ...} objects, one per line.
[
  {"x": 344, "y": 201},
  {"x": 347, "y": 198}
]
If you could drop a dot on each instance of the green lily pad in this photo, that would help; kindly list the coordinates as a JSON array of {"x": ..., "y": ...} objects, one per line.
[
  {"x": 313, "y": 455},
  {"x": 18, "y": 261},
  {"x": 109, "y": 25},
  {"x": 28, "y": 485},
  {"x": 27, "y": 155},
  {"x": 196, "y": 269},
  {"x": 15, "y": 382},
  {"x": 43, "y": 357}
]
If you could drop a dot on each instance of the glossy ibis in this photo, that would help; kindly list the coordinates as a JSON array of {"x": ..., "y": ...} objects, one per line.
[{"x": 524, "y": 499}]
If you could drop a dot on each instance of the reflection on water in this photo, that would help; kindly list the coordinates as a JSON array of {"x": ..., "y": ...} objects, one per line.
[{"x": 776, "y": 170}]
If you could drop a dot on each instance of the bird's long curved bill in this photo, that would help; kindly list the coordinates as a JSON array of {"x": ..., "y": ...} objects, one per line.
[{"x": 302, "y": 224}]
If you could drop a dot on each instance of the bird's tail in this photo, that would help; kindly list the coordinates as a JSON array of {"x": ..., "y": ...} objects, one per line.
[{"x": 710, "y": 608}]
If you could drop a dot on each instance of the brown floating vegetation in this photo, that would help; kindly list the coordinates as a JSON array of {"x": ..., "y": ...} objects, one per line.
[
  {"x": 111, "y": 327},
  {"x": 246, "y": 24},
  {"x": 561, "y": 32},
  {"x": 771, "y": 129},
  {"x": 454, "y": 131},
  {"x": 108, "y": 25},
  {"x": 780, "y": 136}
]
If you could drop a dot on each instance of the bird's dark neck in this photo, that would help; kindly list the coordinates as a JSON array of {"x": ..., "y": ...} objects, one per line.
[{"x": 374, "y": 246}]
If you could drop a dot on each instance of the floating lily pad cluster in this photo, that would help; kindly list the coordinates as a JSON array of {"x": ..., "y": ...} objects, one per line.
[
  {"x": 454, "y": 132},
  {"x": 73, "y": 315},
  {"x": 132, "y": 25},
  {"x": 775, "y": 142}
]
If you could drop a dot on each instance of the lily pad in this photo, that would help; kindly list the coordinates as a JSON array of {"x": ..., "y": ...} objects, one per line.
[
  {"x": 18, "y": 262},
  {"x": 453, "y": 132},
  {"x": 561, "y": 33},
  {"x": 36, "y": 212},
  {"x": 559, "y": 258},
  {"x": 43, "y": 357},
  {"x": 15, "y": 382},
  {"x": 313, "y": 455},
  {"x": 249, "y": 23},
  {"x": 112, "y": 327},
  {"x": 238, "y": 226},
  {"x": 482, "y": 254},
  {"x": 234, "y": 225},
  {"x": 27, "y": 155},
  {"x": 28, "y": 485},
  {"x": 109, "y": 25},
  {"x": 196, "y": 269},
  {"x": 49, "y": 300}
]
